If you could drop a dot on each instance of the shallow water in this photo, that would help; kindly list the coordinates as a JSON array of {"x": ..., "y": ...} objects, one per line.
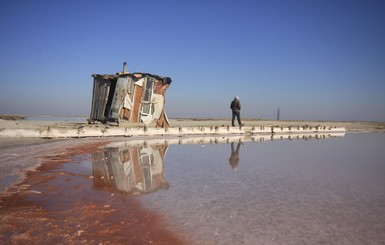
[
  {"x": 327, "y": 191},
  {"x": 312, "y": 189}
]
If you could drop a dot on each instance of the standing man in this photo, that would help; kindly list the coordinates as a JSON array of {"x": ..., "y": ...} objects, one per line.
[{"x": 236, "y": 109}]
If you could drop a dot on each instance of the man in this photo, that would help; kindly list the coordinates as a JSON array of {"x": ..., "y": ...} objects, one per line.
[{"x": 236, "y": 108}]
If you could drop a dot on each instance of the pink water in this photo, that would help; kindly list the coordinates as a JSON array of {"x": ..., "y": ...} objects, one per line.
[{"x": 310, "y": 190}]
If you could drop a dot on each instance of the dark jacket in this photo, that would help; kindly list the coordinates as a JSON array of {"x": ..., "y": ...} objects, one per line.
[{"x": 235, "y": 105}]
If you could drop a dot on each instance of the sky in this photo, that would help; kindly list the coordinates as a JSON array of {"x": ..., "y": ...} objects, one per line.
[{"x": 313, "y": 59}]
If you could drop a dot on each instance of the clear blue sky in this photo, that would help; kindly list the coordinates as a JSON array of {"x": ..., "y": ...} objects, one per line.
[{"x": 322, "y": 60}]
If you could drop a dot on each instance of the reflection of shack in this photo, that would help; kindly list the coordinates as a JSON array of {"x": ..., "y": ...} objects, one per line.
[
  {"x": 133, "y": 170},
  {"x": 130, "y": 97}
]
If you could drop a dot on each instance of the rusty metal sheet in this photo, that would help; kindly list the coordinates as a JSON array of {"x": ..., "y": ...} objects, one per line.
[{"x": 99, "y": 99}]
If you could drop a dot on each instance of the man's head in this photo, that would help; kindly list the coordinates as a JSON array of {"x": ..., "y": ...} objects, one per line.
[{"x": 236, "y": 97}]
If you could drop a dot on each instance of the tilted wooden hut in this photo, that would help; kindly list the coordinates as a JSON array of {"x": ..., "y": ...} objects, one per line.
[{"x": 130, "y": 98}]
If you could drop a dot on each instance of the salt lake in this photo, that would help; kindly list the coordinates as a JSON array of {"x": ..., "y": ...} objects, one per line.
[
  {"x": 304, "y": 189},
  {"x": 327, "y": 191}
]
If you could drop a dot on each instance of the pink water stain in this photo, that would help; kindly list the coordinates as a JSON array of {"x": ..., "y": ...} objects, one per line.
[{"x": 318, "y": 191}]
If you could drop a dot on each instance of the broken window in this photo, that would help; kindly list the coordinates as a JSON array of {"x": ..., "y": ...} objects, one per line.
[{"x": 147, "y": 97}]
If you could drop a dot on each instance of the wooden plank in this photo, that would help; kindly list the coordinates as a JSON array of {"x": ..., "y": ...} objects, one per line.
[
  {"x": 134, "y": 118},
  {"x": 117, "y": 101}
]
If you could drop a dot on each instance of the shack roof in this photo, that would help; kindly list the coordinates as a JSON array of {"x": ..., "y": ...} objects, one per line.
[{"x": 165, "y": 80}]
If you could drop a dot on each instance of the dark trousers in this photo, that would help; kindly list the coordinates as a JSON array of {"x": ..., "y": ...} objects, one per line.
[{"x": 238, "y": 115}]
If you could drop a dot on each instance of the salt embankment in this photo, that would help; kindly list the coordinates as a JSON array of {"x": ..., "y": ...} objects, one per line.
[{"x": 44, "y": 129}]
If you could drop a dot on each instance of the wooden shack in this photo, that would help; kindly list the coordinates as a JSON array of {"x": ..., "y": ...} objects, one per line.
[{"x": 130, "y": 98}]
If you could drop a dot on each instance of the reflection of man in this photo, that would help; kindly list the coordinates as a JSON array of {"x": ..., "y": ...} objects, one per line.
[{"x": 234, "y": 158}]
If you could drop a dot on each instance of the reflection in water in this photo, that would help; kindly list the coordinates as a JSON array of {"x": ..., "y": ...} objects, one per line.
[
  {"x": 131, "y": 169},
  {"x": 136, "y": 167},
  {"x": 234, "y": 158},
  {"x": 306, "y": 190}
]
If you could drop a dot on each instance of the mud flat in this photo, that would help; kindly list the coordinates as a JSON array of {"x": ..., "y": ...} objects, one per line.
[{"x": 44, "y": 207}]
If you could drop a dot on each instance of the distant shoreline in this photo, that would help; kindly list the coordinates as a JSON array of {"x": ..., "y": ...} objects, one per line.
[
  {"x": 25, "y": 116},
  {"x": 12, "y": 117}
]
